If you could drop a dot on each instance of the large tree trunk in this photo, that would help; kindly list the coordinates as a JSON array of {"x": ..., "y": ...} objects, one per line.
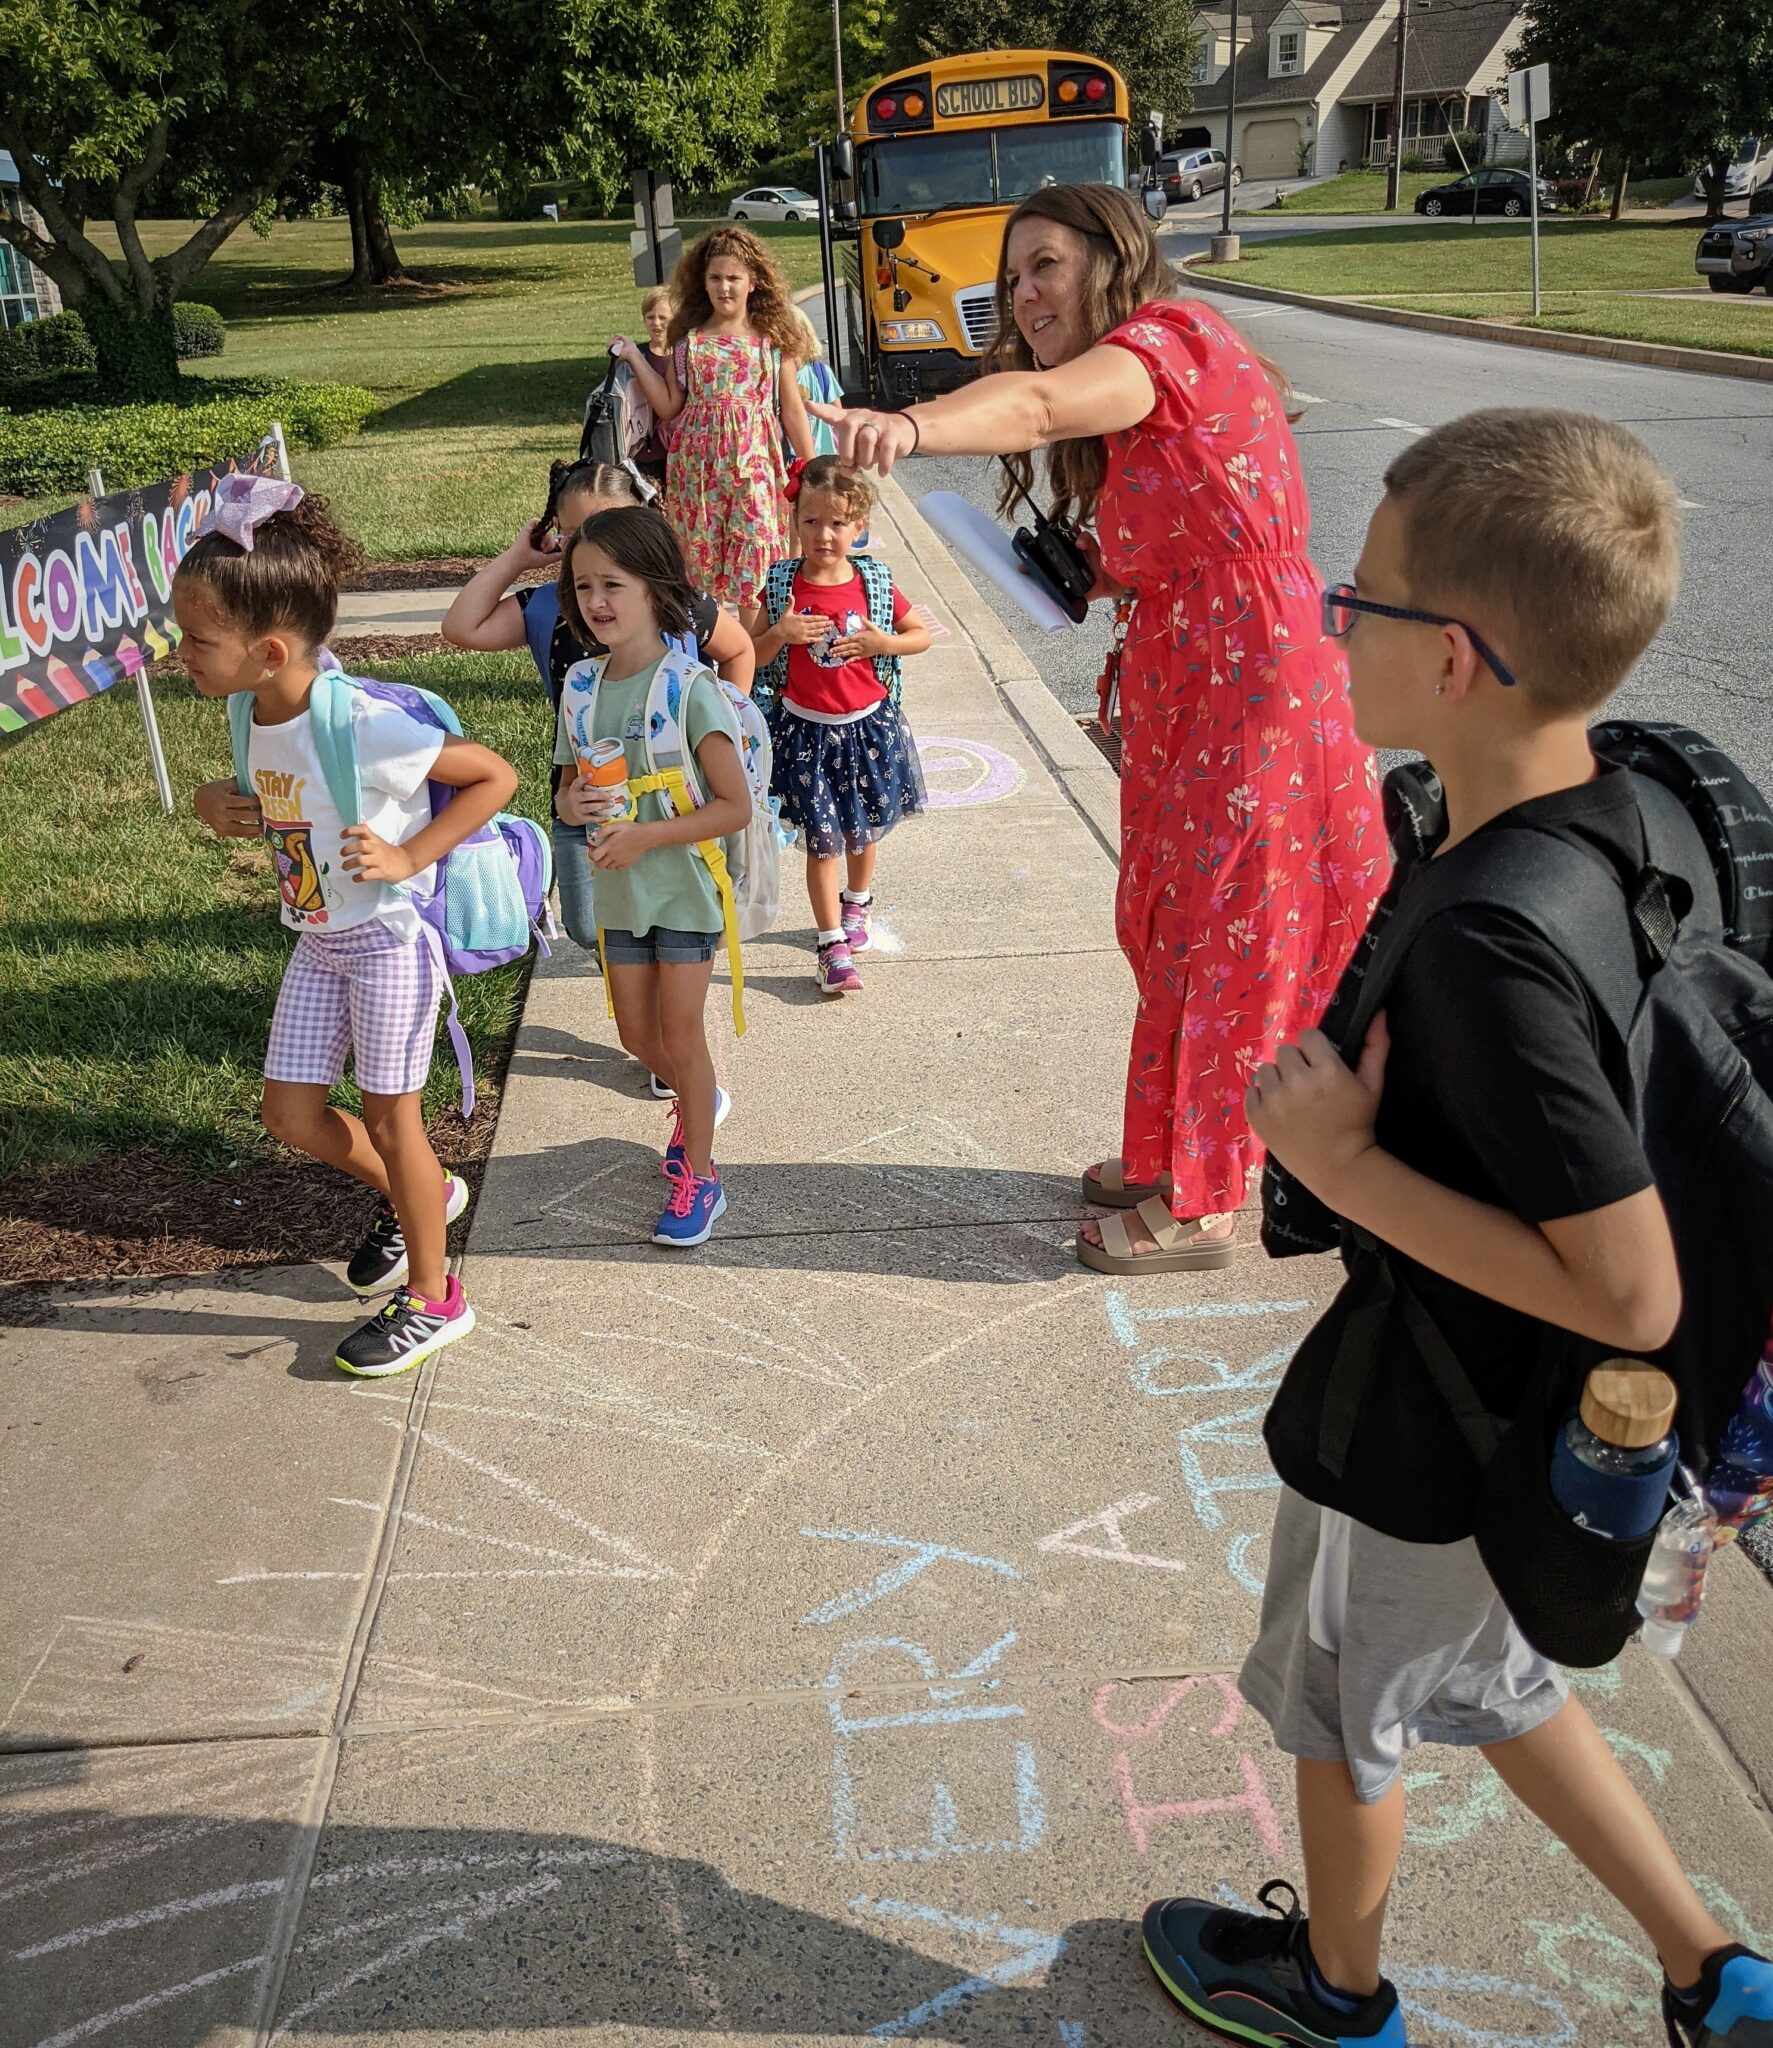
[
  {"x": 374, "y": 258},
  {"x": 137, "y": 351},
  {"x": 1619, "y": 185}
]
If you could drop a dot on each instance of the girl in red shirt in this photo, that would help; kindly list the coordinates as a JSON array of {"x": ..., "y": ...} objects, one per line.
[{"x": 846, "y": 765}]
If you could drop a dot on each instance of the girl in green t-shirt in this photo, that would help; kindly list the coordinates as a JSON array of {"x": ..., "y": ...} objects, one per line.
[{"x": 623, "y": 585}]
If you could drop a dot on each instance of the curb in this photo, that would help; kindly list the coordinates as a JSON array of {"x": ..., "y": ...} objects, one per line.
[
  {"x": 1654, "y": 355},
  {"x": 1085, "y": 778}
]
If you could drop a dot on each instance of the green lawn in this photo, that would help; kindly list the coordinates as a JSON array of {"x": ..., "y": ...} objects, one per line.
[
  {"x": 1586, "y": 268},
  {"x": 1359, "y": 192},
  {"x": 482, "y": 374},
  {"x": 140, "y": 956}
]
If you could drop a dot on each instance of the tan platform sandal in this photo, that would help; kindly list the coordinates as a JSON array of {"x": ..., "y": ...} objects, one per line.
[
  {"x": 1180, "y": 1247},
  {"x": 1107, "y": 1186}
]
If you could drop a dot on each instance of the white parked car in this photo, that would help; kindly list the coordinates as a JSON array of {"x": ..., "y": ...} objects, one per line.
[
  {"x": 773, "y": 202},
  {"x": 1751, "y": 169}
]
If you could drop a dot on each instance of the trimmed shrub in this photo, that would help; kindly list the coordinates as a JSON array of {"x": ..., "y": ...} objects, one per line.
[
  {"x": 39, "y": 348},
  {"x": 198, "y": 330},
  {"x": 42, "y": 452},
  {"x": 1467, "y": 139}
]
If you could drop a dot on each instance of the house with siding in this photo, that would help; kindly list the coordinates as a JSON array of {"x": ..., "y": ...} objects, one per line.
[
  {"x": 25, "y": 292},
  {"x": 1315, "y": 82}
]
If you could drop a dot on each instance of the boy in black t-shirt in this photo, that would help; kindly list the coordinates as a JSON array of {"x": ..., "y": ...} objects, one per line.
[{"x": 1518, "y": 565}]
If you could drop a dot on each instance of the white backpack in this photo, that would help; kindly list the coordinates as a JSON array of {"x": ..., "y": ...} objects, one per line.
[{"x": 747, "y": 868}]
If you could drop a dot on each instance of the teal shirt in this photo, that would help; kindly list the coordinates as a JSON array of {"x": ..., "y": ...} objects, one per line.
[{"x": 669, "y": 887}]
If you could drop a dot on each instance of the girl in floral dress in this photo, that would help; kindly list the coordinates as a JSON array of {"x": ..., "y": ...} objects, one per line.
[
  {"x": 732, "y": 396},
  {"x": 1252, "y": 849}
]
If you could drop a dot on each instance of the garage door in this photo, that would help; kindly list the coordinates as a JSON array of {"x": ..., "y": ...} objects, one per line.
[{"x": 1271, "y": 149}]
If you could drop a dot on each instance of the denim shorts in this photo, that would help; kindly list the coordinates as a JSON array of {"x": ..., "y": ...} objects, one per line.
[{"x": 642, "y": 949}]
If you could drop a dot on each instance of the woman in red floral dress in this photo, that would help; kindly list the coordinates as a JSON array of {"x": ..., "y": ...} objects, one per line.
[{"x": 1252, "y": 849}]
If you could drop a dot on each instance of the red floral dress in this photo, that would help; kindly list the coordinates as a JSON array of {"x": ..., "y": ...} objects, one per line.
[{"x": 1252, "y": 847}]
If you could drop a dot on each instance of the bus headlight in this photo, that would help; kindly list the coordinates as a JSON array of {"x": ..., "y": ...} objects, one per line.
[{"x": 911, "y": 330}]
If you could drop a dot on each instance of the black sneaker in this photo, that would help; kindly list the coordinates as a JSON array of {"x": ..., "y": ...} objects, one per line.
[
  {"x": 1730, "y": 2007},
  {"x": 405, "y": 1332},
  {"x": 379, "y": 1262},
  {"x": 1247, "y": 1976}
]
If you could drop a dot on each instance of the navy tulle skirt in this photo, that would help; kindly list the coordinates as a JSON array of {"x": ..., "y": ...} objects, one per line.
[{"x": 844, "y": 786}]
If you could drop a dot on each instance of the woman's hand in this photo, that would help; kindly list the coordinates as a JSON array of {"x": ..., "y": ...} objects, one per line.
[
  {"x": 619, "y": 846},
  {"x": 227, "y": 813},
  {"x": 370, "y": 858},
  {"x": 868, "y": 440}
]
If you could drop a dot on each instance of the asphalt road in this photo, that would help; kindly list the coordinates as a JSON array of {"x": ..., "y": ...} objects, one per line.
[{"x": 1372, "y": 388}]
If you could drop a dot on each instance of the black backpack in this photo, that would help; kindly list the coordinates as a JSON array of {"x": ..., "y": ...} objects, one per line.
[
  {"x": 604, "y": 435},
  {"x": 1677, "y": 965}
]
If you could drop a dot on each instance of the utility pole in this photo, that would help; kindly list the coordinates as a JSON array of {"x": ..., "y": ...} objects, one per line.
[
  {"x": 1230, "y": 131},
  {"x": 1397, "y": 107},
  {"x": 837, "y": 62}
]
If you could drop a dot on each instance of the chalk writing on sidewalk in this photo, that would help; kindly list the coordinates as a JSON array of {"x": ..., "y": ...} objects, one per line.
[{"x": 959, "y": 772}]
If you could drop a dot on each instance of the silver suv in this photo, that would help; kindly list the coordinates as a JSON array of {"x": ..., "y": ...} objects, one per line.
[{"x": 1188, "y": 173}]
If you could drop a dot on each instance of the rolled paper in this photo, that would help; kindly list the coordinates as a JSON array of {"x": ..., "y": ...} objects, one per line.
[{"x": 63, "y": 678}]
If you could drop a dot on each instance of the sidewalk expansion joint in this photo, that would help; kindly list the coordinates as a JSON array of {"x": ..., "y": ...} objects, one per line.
[{"x": 1735, "y": 1765}]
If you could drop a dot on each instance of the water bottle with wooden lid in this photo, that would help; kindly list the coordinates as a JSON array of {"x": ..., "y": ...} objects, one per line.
[{"x": 1613, "y": 1460}]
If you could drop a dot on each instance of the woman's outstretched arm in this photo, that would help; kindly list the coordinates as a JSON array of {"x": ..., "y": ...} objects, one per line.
[{"x": 1104, "y": 391}]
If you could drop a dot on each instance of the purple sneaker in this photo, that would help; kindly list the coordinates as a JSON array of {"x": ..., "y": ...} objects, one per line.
[
  {"x": 855, "y": 924},
  {"x": 837, "y": 971}
]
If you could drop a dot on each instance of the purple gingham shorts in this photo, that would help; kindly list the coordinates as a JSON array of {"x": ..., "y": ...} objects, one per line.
[{"x": 364, "y": 991}]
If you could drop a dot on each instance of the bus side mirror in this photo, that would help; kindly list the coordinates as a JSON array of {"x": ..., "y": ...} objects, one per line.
[
  {"x": 843, "y": 158},
  {"x": 888, "y": 234},
  {"x": 1156, "y": 202},
  {"x": 843, "y": 219}
]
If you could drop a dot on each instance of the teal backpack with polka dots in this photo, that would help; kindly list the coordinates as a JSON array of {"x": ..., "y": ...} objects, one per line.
[{"x": 778, "y": 594}]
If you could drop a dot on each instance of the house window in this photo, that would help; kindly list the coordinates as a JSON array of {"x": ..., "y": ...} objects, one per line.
[
  {"x": 1203, "y": 64},
  {"x": 1286, "y": 50},
  {"x": 18, "y": 280}
]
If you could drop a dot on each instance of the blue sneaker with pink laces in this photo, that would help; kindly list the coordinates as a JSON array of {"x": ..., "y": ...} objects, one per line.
[
  {"x": 675, "y": 1155},
  {"x": 694, "y": 1208}
]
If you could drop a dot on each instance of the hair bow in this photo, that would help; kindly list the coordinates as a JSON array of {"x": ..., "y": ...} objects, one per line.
[
  {"x": 791, "y": 489},
  {"x": 242, "y": 502}
]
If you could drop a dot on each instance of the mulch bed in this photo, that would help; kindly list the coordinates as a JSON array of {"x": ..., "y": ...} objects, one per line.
[
  {"x": 358, "y": 648},
  {"x": 439, "y": 575},
  {"x": 140, "y": 1213}
]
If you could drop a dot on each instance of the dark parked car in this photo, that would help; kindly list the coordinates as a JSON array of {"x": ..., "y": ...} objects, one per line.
[
  {"x": 1737, "y": 255},
  {"x": 1506, "y": 192},
  {"x": 1188, "y": 173}
]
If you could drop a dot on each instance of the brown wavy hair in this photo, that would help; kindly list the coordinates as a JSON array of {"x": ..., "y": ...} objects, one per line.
[
  {"x": 769, "y": 309},
  {"x": 1126, "y": 271},
  {"x": 288, "y": 580}
]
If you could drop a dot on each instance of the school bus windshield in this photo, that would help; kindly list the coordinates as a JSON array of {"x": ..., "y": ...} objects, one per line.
[{"x": 987, "y": 166}]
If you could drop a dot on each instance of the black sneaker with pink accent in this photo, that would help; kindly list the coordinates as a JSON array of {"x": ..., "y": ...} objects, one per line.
[{"x": 405, "y": 1333}]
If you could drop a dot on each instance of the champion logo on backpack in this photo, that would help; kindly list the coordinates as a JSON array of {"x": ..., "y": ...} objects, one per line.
[
  {"x": 1674, "y": 960},
  {"x": 489, "y": 900}
]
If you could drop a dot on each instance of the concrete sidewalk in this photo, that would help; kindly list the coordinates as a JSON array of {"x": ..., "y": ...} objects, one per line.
[{"x": 824, "y": 1635}]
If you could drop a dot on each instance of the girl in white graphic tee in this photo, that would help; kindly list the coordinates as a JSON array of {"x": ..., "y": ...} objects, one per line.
[{"x": 256, "y": 595}]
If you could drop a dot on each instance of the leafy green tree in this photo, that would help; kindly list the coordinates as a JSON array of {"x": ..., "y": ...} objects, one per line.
[
  {"x": 99, "y": 98},
  {"x": 1152, "y": 46},
  {"x": 805, "y": 95},
  {"x": 1643, "y": 80}
]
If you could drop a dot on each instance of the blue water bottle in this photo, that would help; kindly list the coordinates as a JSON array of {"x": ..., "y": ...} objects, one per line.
[{"x": 1613, "y": 1460}]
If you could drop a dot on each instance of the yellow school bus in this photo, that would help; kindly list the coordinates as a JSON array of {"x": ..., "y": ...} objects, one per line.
[{"x": 938, "y": 157}]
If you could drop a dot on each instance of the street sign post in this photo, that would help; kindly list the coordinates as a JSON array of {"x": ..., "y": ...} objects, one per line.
[
  {"x": 1529, "y": 101},
  {"x": 655, "y": 242}
]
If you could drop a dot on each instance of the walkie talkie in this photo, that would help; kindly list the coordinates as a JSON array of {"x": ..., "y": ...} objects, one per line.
[{"x": 1052, "y": 556}]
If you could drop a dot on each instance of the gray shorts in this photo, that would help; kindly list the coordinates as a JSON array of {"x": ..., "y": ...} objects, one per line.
[{"x": 1424, "y": 1650}]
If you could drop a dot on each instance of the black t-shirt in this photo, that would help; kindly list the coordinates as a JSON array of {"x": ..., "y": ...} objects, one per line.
[
  {"x": 1503, "y": 1083},
  {"x": 564, "y": 649}
]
